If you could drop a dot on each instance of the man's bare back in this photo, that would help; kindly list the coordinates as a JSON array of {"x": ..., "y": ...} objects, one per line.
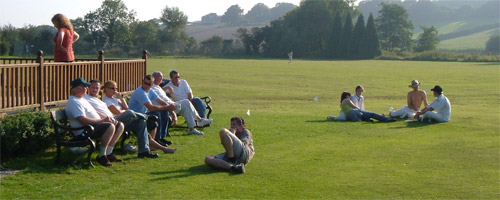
[{"x": 415, "y": 99}]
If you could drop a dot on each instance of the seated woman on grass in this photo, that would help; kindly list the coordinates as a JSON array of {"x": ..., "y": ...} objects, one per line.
[{"x": 354, "y": 113}]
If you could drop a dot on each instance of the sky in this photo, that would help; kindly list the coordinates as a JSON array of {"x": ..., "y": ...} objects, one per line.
[{"x": 20, "y": 13}]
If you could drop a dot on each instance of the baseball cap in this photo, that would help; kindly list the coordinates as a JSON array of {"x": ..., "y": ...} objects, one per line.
[
  {"x": 437, "y": 89},
  {"x": 79, "y": 81}
]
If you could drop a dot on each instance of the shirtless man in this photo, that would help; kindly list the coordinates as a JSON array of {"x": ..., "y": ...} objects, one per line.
[{"x": 414, "y": 101}]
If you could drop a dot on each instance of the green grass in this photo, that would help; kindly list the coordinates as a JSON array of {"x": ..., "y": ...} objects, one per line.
[
  {"x": 451, "y": 27},
  {"x": 473, "y": 41},
  {"x": 300, "y": 155}
]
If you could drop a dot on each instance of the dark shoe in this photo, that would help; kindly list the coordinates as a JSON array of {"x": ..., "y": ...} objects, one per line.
[
  {"x": 147, "y": 154},
  {"x": 103, "y": 161},
  {"x": 239, "y": 169},
  {"x": 161, "y": 143},
  {"x": 167, "y": 142},
  {"x": 112, "y": 158},
  {"x": 390, "y": 120}
]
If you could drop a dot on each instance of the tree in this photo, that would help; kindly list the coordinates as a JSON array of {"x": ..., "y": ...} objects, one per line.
[
  {"x": 145, "y": 35},
  {"x": 9, "y": 35},
  {"x": 173, "y": 19},
  {"x": 493, "y": 44},
  {"x": 233, "y": 15},
  {"x": 259, "y": 13},
  {"x": 211, "y": 18},
  {"x": 334, "y": 42},
  {"x": 281, "y": 9},
  {"x": 357, "y": 35},
  {"x": 395, "y": 30},
  {"x": 212, "y": 46},
  {"x": 346, "y": 37},
  {"x": 370, "y": 47},
  {"x": 427, "y": 40},
  {"x": 113, "y": 19}
]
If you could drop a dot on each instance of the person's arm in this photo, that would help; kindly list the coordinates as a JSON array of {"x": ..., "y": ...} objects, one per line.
[
  {"x": 91, "y": 121},
  {"x": 164, "y": 106},
  {"x": 115, "y": 110},
  {"x": 429, "y": 108},
  {"x": 348, "y": 101},
  {"x": 122, "y": 102},
  {"x": 190, "y": 96},
  {"x": 168, "y": 90},
  {"x": 59, "y": 41},
  {"x": 75, "y": 36},
  {"x": 425, "y": 99},
  {"x": 174, "y": 117}
]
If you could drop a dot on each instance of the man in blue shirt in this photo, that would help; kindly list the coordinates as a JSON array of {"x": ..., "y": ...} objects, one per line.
[{"x": 141, "y": 102}]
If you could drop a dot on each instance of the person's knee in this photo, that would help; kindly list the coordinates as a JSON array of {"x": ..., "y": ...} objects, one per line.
[
  {"x": 209, "y": 159},
  {"x": 224, "y": 132}
]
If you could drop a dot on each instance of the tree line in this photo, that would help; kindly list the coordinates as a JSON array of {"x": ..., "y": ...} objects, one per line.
[{"x": 258, "y": 14}]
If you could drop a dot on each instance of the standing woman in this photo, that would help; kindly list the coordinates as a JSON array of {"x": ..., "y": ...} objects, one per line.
[{"x": 63, "y": 49}]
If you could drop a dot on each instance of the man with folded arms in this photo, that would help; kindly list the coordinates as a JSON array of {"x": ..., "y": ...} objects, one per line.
[
  {"x": 441, "y": 104},
  {"x": 186, "y": 108},
  {"x": 81, "y": 113}
]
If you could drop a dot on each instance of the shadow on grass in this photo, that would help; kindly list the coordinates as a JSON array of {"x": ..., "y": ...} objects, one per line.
[
  {"x": 414, "y": 124},
  {"x": 192, "y": 171}
]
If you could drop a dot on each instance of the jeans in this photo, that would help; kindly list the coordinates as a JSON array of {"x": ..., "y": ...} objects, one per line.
[
  {"x": 201, "y": 108},
  {"x": 163, "y": 120},
  {"x": 363, "y": 115},
  {"x": 139, "y": 128}
]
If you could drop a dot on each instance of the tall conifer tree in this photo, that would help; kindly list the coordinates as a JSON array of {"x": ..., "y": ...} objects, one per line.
[
  {"x": 370, "y": 47},
  {"x": 345, "y": 42},
  {"x": 357, "y": 35}
]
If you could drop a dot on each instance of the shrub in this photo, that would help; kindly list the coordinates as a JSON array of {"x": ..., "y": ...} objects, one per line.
[{"x": 25, "y": 133}]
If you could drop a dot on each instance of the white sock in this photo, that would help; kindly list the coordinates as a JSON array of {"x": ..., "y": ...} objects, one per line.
[
  {"x": 102, "y": 151},
  {"x": 109, "y": 150}
]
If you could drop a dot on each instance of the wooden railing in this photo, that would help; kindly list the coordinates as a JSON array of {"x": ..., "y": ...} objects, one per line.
[{"x": 40, "y": 83}]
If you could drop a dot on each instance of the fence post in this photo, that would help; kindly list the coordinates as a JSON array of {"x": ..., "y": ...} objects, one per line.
[
  {"x": 41, "y": 79},
  {"x": 145, "y": 57},
  {"x": 101, "y": 58}
]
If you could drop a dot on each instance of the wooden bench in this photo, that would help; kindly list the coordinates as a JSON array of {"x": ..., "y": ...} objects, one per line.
[
  {"x": 63, "y": 132},
  {"x": 206, "y": 99}
]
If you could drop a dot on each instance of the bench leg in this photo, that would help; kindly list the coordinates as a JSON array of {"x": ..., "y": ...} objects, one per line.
[{"x": 91, "y": 150}]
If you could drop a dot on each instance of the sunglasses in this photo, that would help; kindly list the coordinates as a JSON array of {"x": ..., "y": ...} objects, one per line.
[
  {"x": 144, "y": 82},
  {"x": 113, "y": 88}
]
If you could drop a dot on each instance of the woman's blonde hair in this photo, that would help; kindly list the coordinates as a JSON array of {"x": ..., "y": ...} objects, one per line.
[
  {"x": 61, "y": 21},
  {"x": 109, "y": 84}
]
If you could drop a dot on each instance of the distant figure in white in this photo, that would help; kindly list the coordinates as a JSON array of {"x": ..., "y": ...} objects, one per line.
[
  {"x": 441, "y": 105},
  {"x": 290, "y": 57}
]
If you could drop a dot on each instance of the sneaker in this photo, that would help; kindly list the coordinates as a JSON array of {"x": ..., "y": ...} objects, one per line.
[
  {"x": 128, "y": 147},
  {"x": 167, "y": 142},
  {"x": 79, "y": 150},
  {"x": 112, "y": 158},
  {"x": 103, "y": 161},
  {"x": 147, "y": 154},
  {"x": 194, "y": 131},
  {"x": 205, "y": 122},
  {"x": 239, "y": 169},
  {"x": 330, "y": 118}
]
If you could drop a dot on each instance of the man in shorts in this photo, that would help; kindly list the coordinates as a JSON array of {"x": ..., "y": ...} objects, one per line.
[
  {"x": 81, "y": 113},
  {"x": 238, "y": 144}
]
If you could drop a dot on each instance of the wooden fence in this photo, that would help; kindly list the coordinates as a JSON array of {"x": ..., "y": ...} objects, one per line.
[{"x": 38, "y": 83}]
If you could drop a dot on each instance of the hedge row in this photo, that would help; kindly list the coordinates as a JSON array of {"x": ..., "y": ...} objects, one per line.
[{"x": 25, "y": 134}]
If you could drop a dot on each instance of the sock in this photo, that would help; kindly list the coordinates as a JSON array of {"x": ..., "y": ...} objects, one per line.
[
  {"x": 109, "y": 150},
  {"x": 102, "y": 151}
]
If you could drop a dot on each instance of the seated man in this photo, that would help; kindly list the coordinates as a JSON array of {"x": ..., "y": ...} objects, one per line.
[
  {"x": 128, "y": 120},
  {"x": 141, "y": 102},
  {"x": 186, "y": 108},
  {"x": 81, "y": 113},
  {"x": 179, "y": 90},
  {"x": 238, "y": 144},
  {"x": 414, "y": 101},
  {"x": 441, "y": 104}
]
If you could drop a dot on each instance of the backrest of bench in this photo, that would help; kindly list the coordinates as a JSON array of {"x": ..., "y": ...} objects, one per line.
[{"x": 58, "y": 115}]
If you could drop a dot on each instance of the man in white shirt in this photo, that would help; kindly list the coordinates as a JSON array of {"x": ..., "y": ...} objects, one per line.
[
  {"x": 81, "y": 113},
  {"x": 126, "y": 120},
  {"x": 184, "y": 106},
  {"x": 358, "y": 98},
  {"x": 179, "y": 90},
  {"x": 441, "y": 104}
]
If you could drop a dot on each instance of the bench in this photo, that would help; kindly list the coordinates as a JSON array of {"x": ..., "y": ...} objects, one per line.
[{"x": 62, "y": 132}]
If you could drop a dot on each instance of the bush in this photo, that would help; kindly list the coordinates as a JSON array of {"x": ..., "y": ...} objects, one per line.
[
  {"x": 25, "y": 133},
  {"x": 436, "y": 55}
]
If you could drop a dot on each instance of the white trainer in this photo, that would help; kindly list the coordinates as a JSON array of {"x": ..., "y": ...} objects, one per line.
[
  {"x": 128, "y": 147},
  {"x": 204, "y": 122},
  {"x": 194, "y": 131}
]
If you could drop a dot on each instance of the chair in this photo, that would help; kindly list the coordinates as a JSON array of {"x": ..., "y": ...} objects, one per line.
[{"x": 62, "y": 132}]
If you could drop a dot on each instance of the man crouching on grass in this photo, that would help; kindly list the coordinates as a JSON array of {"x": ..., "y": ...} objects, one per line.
[{"x": 238, "y": 144}]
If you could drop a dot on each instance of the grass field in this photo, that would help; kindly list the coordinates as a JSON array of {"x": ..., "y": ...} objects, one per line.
[
  {"x": 473, "y": 41},
  {"x": 300, "y": 155}
]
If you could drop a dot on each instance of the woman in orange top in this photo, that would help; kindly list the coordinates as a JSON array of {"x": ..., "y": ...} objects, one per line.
[{"x": 63, "y": 49}]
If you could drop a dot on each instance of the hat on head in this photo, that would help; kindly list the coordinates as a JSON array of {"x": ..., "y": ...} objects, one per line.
[
  {"x": 414, "y": 83},
  {"x": 79, "y": 81},
  {"x": 437, "y": 89}
]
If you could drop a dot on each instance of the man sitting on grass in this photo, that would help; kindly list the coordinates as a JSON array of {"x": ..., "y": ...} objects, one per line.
[
  {"x": 441, "y": 104},
  {"x": 414, "y": 100},
  {"x": 238, "y": 144}
]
